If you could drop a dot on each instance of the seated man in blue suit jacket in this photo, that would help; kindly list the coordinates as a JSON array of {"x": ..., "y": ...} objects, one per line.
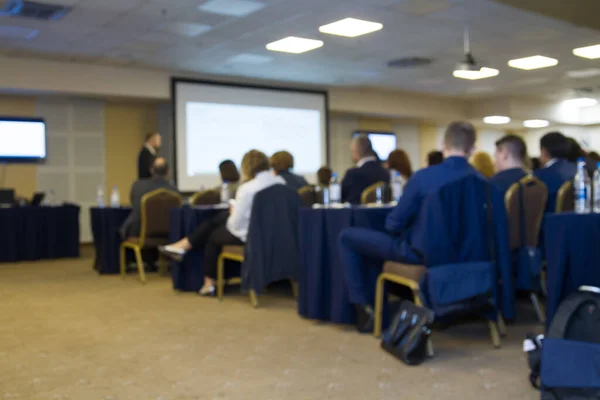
[
  {"x": 509, "y": 159},
  {"x": 359, "y": 245},
  {"x": 556, "y": 170},
  {"x": 367, "y": 172}
]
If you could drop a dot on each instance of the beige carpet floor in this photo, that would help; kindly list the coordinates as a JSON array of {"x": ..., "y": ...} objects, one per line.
[{"x": 67, "y": 333}]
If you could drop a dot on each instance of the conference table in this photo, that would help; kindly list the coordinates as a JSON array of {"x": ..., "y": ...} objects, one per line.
[
  {"x": 106, "y": 223},
  {"x": 38, "y": 233},
  {"x": 572, "y": 243},
  {"x": 322, "y": 293}
]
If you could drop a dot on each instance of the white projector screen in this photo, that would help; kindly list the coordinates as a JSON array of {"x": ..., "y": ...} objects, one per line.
[
  {"x": 215, "y": 122},
  {"x": 22, "y": 140}
]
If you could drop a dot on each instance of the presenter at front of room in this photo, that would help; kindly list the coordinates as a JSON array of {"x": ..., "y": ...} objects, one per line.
[{"x": 148, "y": 154}]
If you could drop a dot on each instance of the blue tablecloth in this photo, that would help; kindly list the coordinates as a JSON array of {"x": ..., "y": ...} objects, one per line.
[
  {"x": 188, "y": 275},
  {"x": 572, "y": 253},
  {"x": 322, "y": 292},
  {"x": 36, "y": 233},
  {"x": 105, "y": 223}
]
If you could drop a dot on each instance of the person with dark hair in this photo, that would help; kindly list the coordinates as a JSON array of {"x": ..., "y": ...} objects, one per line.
[
  {"x": 574, "y": 151},
  {"x": 229, "y": 172},
  {"x": 227, "y": 228},
  {"x": 398, "y": 161},
  {"x": 324, "y": 176},
  {"x": 591, "y": 162},
  {"x": 556, "y": 170},
  {"x": 434, "y": 158},
  {"x": 148, "y": 154},
  {"x": 160, "y": 179},
  {"x": 282, "y": 163},
  {"x": 509, "y": 160},
  {"x": 368, "y": 170},
  {"x": 535, "y": 163},
  {"x": 358, "y": 246}
]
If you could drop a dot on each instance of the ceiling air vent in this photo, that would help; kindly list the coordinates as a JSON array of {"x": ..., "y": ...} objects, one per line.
[
  {"x": 409, "y": 62},
  {"x": 33, "y": 10}
]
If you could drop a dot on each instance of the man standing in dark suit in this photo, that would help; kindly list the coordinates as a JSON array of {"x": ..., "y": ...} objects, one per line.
[
  {"x": 159, "y": 180},
  {"x": 509, "y": 159},
  {"x": 148, "y": 154},
  {"x": 554, "y": 147},
  {"x": 368, "y": 170}
]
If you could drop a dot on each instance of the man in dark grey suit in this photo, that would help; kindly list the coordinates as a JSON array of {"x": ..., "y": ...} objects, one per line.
[{"x": 160, "y": 172}]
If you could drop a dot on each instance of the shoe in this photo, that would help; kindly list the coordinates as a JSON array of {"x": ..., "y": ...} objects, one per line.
[
  {"x": 208, "y": 291},
  {"x": 365, "y": 318},
  {"x": 174, "y": 253}
]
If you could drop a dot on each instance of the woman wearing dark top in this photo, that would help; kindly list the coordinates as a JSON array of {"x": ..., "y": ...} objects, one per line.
[
  {"x": 398, "y": 161},
  {"x": 282, "y": 162}
]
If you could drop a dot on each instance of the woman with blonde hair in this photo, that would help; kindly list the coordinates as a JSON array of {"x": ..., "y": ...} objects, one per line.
[
  {"x": 483, "y": 163},
  {"x": 227, "y": 228}
]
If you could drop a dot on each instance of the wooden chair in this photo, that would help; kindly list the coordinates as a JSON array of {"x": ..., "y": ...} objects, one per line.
[
  {"x": 534, "y": 197},
  {"x": 205, "y": 198},
  {"x": 154, "y": 231},
  {"x": 565, "y": 199},
  {"x": 307, "y": 195},
  {"x": 369, "y": 195}
]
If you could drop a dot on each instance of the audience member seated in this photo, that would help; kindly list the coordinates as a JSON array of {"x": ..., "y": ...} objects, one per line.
[
  {"x": 227, "y": 228},
  {"x": 359, "y": 245},
  {"x": 574, "y": 151},
  {"x": 509, "y": 160},
  {"x": 282, "y": 162},
  {"x": 556, "y": 170},
  {"x": 368, "y": 170},
  {"x": 324, "y": 176},
  {"x": 434, "y": 158},
  {"x": 591, "y": 162},
  {"x": 535, "y": 163},
  {"x": 230, "y": 174},
  {"x": 398, "y": 161},
  {"x": 160, "y": 172},
  {"x": 483, "y": 163}
]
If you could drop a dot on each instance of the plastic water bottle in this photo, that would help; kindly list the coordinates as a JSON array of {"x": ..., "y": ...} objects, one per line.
[
  {"x": 597, "y": 189},
  {"x": 225, "y": 196},
  {"x": 325, "y": 192},
  {"x": 100, "y": 196},
  {"x": 582, "y": 189},
  {"x": 335, "y": 190},
  {"x": 397, "y": 186},
  {"x": 379, "y": 195},
  {"x": 115, "y": 199}
]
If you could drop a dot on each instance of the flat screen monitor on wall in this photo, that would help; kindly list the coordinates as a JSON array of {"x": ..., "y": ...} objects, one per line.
[
  {"x": 22, "y": 140},
  {"x": 383, "y": 142},
  {"x": 216, "y": 121}
]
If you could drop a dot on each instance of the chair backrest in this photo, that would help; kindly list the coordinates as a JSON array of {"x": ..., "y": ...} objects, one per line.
[
  {"x": 206, "y": 198},
  {"x": 565, "y": 199},
  {"x": 307, "y": 195},
  {"x": 271, "y": 251},
  {"x": 369, "y": 195},
  {"x": 530, "y": 194},
  {"x": 156, "y": 207}
]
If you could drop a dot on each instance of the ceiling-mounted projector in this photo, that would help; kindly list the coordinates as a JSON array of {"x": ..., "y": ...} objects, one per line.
[{"x": 468, "y": 64}]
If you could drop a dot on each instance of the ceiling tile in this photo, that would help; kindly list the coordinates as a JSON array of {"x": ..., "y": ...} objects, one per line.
[
  {"x": 234, "y": 8},
  {"x": 187, "y": 29}
]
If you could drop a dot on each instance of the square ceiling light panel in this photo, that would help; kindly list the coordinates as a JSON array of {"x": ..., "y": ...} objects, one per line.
[
  {"x": 232, "y": 8},
  {"x": 350, "y": 27},
  {"x": 294, "y": 45},
  {"x": 187, "y": 29},
  {"x": 534, "y": 62},
  {"x": 475, "y": 75},
  {"x": 591, "y": 52},
  {"x": 583, "y": 73}
]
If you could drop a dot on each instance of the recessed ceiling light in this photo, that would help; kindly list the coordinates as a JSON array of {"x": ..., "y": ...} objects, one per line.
[
  {"x": 583, "y": 73},
  {"x": 295, "y": 45},
  {"x": 534, "y": 62},
  {"x": 233, "y": 8},
  {"x": 591, "y": 52},
  {"x": 474, "y": 75},
  {"x": 496, "y": 120},
  {"x": 350, "y": 27},
  {"x": 536, "y": 123},
  {"x": 580, "y": 102}
]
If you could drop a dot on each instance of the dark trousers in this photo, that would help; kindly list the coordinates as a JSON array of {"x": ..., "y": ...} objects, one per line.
[
  {"x": 363, "y": 252},
  {"x": 212, "y": 235}
]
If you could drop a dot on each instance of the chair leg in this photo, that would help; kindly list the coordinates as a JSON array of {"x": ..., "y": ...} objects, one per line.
[
  {"x": 220, "y": 277},
  {"x": 538, "y": 307},
  {"x": 294, "y": 285},
  {"x": 495, "y": 336},
  {"x": 253, "y": 298},
  {"x": 430, "y": 350},
  {"x": 163, "y": 264},
  {"x": 543, "y": 283},
  {"x": 123, "y": 266},
  {"x": 501, "y": 325},
  {"x": 379, "y": 306},
  {"x": 140, "y": 264}
]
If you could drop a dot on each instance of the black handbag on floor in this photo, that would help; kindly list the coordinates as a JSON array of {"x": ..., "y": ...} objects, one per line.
[{"x": 408, "y": 334}]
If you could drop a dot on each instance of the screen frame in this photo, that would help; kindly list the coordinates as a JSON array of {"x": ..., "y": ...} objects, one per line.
[
  {"x": 367, "y": 132},
  {"x": 177, "y": 80},
  {"x": 26, "y": 160}
]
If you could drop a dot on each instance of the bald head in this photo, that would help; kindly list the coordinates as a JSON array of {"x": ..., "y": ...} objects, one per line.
[
  {"x": 361, "y": 147},
  {"x": 160, "y": 168}
]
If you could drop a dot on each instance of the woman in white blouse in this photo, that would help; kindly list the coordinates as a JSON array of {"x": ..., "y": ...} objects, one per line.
[{"x": 227, "y": 228}]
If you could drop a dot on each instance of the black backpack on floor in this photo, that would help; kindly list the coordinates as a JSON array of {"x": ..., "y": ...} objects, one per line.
[{"x": 568, "y": 359}]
